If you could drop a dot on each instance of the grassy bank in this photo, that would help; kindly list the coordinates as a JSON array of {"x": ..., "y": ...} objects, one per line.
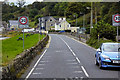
[{"x": 11, "y": 47}]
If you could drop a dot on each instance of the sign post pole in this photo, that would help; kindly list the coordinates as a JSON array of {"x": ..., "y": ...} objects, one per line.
[
  {"x": 23, "y": 38},
  {"x": 117, "y": 34},
  {"x": 116, "y": 22},
  {"x": 23, "y": 20}
]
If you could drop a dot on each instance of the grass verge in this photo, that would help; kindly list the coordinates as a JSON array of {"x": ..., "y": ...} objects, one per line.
[{"x": 11, "y": 47}]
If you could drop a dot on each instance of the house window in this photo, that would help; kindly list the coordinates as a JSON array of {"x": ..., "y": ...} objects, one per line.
[
  {"x": 51, "y": 24},
  {"x": 60, "y": 25},
  {"x": 67, "y": 25},
  {"x": 50, "y": 19}
]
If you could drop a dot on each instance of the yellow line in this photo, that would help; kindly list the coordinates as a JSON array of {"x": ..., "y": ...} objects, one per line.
[{"x": 47, "y": 46}]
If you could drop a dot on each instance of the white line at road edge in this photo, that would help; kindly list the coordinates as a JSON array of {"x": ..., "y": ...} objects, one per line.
[
  {"x": 81, "y": 43},
  {"x": 76, "y": 57},
  {"x": 35, "y": 65},
  {"x": 85, "y": 71}
]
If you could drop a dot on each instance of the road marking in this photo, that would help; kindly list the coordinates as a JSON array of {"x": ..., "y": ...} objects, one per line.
[
  {"x": 41, "y": 64},
  {"x": 35, "y": 65},
  {"x": 47, "y": 46},
  {"x": 36, "y": 73},
  {"x": 39, "y": 68},
  {"x": 82, "y": 43},
  {"x": 43, "y": 61},
  {"x": 77, "y": 59},
  {"x": 71, "y": 60},
  {"x": 85, "y": 71},
  {"x": 77, "y": 72},
  {"x": 71, "y": 63},
  {"x": 75, "y": 56},
  {"x": 68, "y": 47},
  {"x": 58, "y": 51}
]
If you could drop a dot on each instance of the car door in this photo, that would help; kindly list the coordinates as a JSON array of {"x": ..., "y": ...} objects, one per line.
[{"x": 99, "y": 52}]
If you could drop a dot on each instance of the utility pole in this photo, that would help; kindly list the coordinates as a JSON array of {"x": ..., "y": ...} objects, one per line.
[
  {"x": 83, "y": 20},
  {"x": 91, "y": 17},
  {"x": 95, "y": 13},
  {"x": 39, "y": 27}
]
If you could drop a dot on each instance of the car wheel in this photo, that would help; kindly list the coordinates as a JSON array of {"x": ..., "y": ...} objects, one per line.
[
  {"x": 100, "y": 64},
  {"x": 96, "y": 62}
]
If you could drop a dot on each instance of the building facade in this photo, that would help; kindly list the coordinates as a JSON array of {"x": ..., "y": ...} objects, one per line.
[
  {"x": 46, "y": 23},
  {"x": 62, "y": 24},
  {"x": 50, "y": 23}
]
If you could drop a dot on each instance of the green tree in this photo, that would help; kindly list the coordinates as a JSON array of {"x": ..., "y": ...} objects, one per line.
[
  {"x": 33, "y": 13},
  {"x": 103, "y": 30}
]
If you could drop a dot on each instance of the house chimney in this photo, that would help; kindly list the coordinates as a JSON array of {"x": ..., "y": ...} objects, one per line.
[
  {"x": 60, "y": 19},
  {"x": 64, "y": 18}
]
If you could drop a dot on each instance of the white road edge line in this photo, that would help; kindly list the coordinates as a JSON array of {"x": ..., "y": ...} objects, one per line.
[
  {"x": 82, "y": 43},
  {"x": 35, "y": 65},
  {"x": 76, "y": 57},
  {"x": 85, "y": 71}
]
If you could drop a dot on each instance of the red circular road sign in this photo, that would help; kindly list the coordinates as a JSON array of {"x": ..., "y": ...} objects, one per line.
[
  {"x": 117, "y": 18},
  {"x": 23, "y": 20}
]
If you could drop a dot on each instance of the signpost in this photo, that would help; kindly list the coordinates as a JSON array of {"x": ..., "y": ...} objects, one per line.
[
  {"x": 116, "y": 22},
  {"x": 23, "y": 20}
]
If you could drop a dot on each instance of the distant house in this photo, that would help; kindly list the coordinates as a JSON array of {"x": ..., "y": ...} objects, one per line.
[
  {"x": 50, "y": 23},
  {"x": 13, "y": 25},
  {"x": 75, "y": 29},
  {"x": 62, "y": 24},
  {"x": 47, "y": 22}
]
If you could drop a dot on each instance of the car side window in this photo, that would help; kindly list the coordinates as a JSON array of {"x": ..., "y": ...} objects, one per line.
[{"x": 101, "y": 47}]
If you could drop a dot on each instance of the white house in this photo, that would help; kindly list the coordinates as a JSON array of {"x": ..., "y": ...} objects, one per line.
[
  {"x": 13, "y": 24},
  {"x": 75, "y": 29},
  {"x": 62, "y": 24}
]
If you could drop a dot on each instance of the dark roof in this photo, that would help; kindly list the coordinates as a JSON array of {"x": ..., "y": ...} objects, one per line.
[
  {"x": 47, "y": 17},
  {"x": 13, "y": 22}
]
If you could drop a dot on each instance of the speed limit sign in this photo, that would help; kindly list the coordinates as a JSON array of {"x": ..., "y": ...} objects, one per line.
[
  {"x": 23, "y": 20},
  {"x": 117, "y": 18}
]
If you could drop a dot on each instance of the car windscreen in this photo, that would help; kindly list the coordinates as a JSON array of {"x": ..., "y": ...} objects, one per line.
[{"x": 111, "y": 48}]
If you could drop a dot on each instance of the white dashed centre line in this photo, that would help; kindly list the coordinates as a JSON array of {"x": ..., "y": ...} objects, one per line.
[{"x": 85, "y": 72}]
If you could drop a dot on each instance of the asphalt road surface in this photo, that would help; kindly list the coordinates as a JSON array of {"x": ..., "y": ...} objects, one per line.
[{"x": 67, "y": 58}]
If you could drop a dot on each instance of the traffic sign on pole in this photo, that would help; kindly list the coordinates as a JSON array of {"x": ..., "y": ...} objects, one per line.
[
  {"x": 23, "y": 20},
  {"x": 116, "y": 22}
]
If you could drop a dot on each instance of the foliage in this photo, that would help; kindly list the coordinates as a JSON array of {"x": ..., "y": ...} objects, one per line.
[
  {"x": 95, "y": 43},
  {"x": 104, "y": 30},
  {"x": 36, "y": 18},
  {"x": 33, "y": 13},
  {"x": 61, "y": 9}
]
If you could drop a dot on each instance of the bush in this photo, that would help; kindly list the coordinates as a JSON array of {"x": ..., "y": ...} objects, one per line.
[
  {"x": 104, "y": 30},
  {"x": 95, "y": 43}
]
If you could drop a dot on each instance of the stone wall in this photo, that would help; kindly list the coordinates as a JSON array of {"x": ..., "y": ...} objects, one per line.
[{"x": 23, "y": 60}]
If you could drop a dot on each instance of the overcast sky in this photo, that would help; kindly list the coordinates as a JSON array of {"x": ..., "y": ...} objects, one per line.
[{"x": 27, "y": 1}]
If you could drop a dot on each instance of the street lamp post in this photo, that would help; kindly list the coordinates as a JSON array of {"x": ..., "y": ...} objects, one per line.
[
  {"x": 83, "y": 19},
  {"x": 76, "y": 19}
]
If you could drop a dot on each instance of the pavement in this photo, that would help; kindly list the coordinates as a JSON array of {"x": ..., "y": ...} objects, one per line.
[{"x": 65, "y": 57}]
